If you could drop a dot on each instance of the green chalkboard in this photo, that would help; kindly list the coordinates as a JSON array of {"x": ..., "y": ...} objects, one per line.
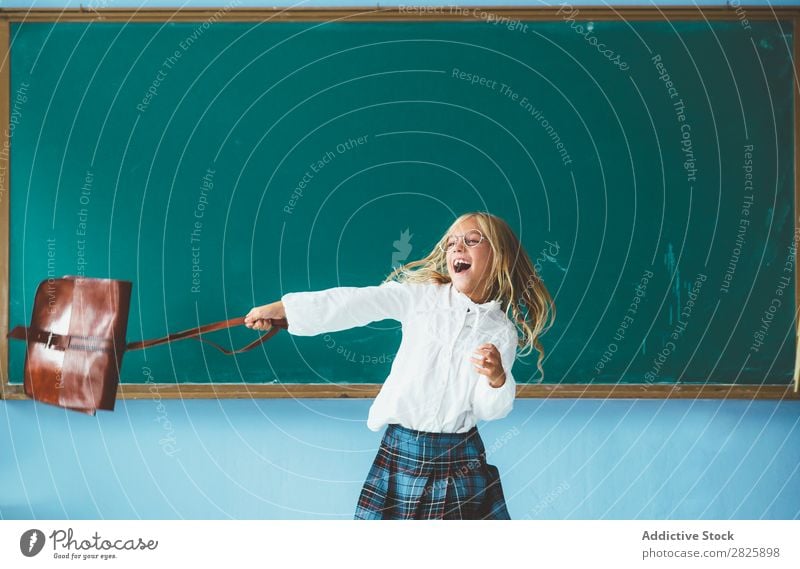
[{"x": 646, "y": 166}]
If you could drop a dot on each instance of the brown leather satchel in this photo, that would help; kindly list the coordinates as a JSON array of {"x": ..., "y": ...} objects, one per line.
[{"x": 76, "y": 341}]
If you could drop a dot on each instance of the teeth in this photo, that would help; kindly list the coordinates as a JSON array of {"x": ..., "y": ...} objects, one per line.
[{"x": 460, "y": 265}]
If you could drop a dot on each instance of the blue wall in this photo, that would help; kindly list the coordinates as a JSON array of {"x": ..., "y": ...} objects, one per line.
[{"x": 305, "y": 459}]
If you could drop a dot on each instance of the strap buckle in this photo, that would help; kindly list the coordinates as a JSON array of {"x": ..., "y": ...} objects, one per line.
[{"x": 52, "y": 342}]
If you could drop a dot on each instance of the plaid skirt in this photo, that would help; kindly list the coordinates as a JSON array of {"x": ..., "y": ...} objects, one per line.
[{"x": 422, "y": 475}]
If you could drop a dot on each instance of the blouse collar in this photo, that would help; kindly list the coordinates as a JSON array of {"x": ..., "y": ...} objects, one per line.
[{"x": 464, "y": 299}]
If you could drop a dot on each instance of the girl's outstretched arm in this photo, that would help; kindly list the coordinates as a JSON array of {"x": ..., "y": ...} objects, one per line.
[{"x": 339, "y": 308}]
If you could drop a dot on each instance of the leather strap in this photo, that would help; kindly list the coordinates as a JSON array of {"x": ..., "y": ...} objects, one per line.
[
  {"x": 196, "y": 333},
  {"x": 62, "y": 342},
  {"x": 91, "y": 343}
]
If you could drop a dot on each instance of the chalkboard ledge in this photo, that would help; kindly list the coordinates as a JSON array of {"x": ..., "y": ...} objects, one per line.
[{"x": 361, "y": 391}]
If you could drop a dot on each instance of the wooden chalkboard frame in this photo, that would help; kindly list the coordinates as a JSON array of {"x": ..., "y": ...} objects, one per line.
[{"x": 397, "y": 13}]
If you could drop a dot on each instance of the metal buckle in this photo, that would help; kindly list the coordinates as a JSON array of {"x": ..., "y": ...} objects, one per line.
[{"x": 49, "y": 343}]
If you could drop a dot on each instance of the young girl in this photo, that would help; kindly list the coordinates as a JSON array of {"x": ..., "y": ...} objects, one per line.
[{"x": 460, "y": 308}]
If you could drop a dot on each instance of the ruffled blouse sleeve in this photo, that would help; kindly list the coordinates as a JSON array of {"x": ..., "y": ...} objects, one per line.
[{"x": 490, "y": 403}]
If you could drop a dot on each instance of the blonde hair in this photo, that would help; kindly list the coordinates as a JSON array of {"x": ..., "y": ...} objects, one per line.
[{"x": 514, "y": 281}]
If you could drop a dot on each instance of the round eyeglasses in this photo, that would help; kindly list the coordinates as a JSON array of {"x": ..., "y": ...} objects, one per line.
[{"x": 471, "y": 239}]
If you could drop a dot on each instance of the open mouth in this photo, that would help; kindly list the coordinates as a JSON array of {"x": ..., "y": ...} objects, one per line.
[{"x": 459, "y": 266}]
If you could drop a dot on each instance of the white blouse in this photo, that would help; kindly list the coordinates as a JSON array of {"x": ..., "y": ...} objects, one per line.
[{"x": 433, "y": 385}]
